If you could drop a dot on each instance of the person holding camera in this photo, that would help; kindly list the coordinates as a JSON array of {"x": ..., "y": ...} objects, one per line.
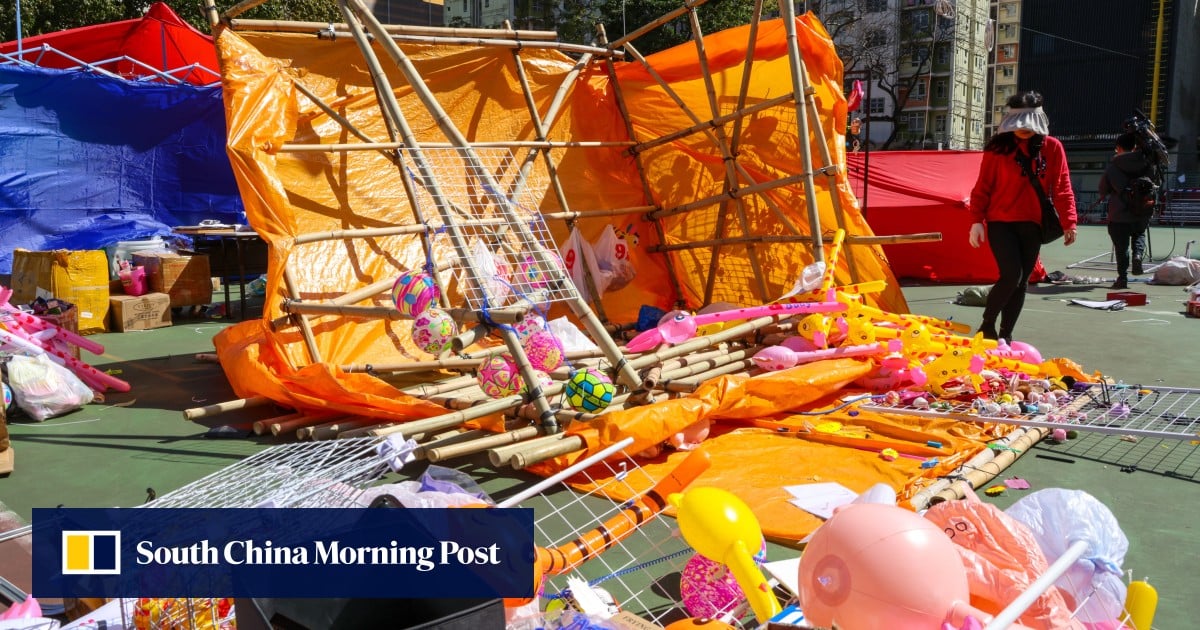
[
  {"x": 1126, "y": 227},
  {"x": 1006, "y": 205}
]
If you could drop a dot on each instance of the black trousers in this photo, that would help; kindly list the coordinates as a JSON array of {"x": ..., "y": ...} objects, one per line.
[
  {"x": 1015, "y": 246},
  {"x": 1125, "y": 235}
]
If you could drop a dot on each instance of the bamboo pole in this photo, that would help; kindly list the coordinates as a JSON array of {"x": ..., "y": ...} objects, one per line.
[
  {"x": 262, "y": 427},
  {"x": 331, "y": 430},
  {"x": 525, "y": 459},
  {"x": 588, "y": 214},
  {"x": 398, "y": 230},
  {"x": 469, "y": 337},
  {"x": 214, "y": 16},
  {"x": 416, "y": 366},
  {"x": 287, "y": 426},
  {"x": 454, "y": 438},
  {"x": 537, "y": 145},
  {"x": 801, "y": 94},
  {"x": 787, "y": 238},
  {"x": 726, "y": 155},
  {"x": 653, "y": 24},
  {"x": 639, "y": 162},
  {"x": 208, "y": 411},
  {"x": 443, "y": 452},
  {"x": 310, "y": 341},
  {"x": 691, "y": 384},
  {"x": 746, "y": 191},
  {"x": 731, "y": 175},
  {"x": 449, "y": 420},
  {"x": 240, "y": 8},
  {"x": 499, "y": 456},
  {"x": 442, "y": 120},
  {"x": 736, "y": 117},
  {"x": 429, "y": 389},
  {"x": 399, "y": 29},
  {"x": 369, "y": 291},
  {"x": 511, "y": 315},
  {"x": 706, "y": 341}
]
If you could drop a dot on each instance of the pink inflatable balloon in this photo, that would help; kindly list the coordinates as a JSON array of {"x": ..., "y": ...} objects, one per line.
[
  {"x": 1030, "y": 353},
  {"x": 774, "y": 358},
  {"x": 876, "y": 566}
]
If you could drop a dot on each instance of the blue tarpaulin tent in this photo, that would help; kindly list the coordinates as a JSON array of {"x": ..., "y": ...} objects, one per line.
[{"x": 88, "y": 159}]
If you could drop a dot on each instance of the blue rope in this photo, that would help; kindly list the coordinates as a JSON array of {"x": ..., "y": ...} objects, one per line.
[{"x": 626, "y": 571}]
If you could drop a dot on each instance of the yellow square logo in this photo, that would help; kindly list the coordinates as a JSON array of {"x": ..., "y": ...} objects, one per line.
[{"x": 95, "y": 552}]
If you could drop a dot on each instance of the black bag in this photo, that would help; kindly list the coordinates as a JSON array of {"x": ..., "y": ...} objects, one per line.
[
  {"x": 1052, "y": 228},
  {"x": 1139, "y": 196}
]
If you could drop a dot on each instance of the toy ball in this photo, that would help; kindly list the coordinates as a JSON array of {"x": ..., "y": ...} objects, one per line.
[
  {"x": 433, "y": 330},
  {"x": 8, "y": 396},
  {"x": 498, "y": 377},
  {"x": 589, "y": 390},
  {"x": 534, "y": 275},
  {"x": 708, "y": 588},
  {"x": 544, "y": 380},
  {"x": 531, "y": 323},
  {"x": 881, "y": 566},
  {"x": 544, "y": 350},
  {"x": 414, "y": 292}
]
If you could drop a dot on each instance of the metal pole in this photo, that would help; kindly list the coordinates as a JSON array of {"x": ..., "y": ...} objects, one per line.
[
  {"x": 867, "y": 149},
  {"x": 20, "y": 46}
]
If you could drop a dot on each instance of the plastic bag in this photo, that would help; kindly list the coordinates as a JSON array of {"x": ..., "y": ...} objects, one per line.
[
  {"x": 495, "y": 274},
  {"x": 1058, "y": 517},
  {"x": 613, "y": 259},
  {"x": 1002, "y": 559},
  {"x": 45, "y": 389},
  {"x": 578, "y": 255},
  {"x": 1177, "y": 271}
]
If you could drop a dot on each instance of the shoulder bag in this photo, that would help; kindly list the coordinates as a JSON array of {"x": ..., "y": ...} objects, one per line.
[{"x": 1052, "y": 228}]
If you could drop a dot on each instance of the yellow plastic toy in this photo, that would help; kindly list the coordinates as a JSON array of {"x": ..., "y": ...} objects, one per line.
[
  {"x": 1141, "y": 601},
  {"x": 723, "y": 529}
]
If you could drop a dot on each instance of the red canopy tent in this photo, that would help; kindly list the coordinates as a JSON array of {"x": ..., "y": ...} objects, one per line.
[
  {"x": 925, "y": 191},
  {"x": 157, "y": 46}
]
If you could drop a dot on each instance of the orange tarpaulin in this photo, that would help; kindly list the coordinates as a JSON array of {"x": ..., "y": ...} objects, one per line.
[{"x": 290, "y": 194}]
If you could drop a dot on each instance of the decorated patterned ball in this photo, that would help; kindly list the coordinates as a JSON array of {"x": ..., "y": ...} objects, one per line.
[
  {"x": 543, "y": 380},
  {"x": 433, "y": 330},
  {"x": 414, "y": 292},
  {"x": 708, "y": 588},
  {"x": 8, "y": 396},
  {"x": 531, "y": 323},
  {"x": 589, "y": 390},
  {"x": 498, "y": 377},
  {"x": 544, "y": 350},
  {"x": 533, "y": 275}
]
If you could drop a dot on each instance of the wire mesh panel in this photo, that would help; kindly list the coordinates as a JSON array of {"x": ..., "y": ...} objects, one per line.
[
  {"x": 642, "y": 572},
  {"x": 305, "y": 474},
  {"x": 1162, "y": 412},
  {"x": 508, "y": 243}
]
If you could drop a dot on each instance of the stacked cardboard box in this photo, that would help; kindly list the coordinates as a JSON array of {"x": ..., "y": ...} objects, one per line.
[
  {"x": 142, "y": 312},
  {"x": 186, "y": 279},
  {"x": 76, "y": 276}
]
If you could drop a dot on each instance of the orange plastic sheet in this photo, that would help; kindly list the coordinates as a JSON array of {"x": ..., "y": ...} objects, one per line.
[{"x": 290, "y": 194}]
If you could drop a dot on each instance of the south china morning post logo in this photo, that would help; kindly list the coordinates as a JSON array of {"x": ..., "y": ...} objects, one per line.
[
  {"x": 91, "y": 552},
  {"x": 311, "y": 552}
]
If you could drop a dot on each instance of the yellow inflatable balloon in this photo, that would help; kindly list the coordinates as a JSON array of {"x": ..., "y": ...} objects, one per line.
[{"x": 720, "y": 526}]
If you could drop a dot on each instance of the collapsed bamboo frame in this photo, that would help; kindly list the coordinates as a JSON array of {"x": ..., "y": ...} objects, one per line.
[{"x": 644, "y": 378}]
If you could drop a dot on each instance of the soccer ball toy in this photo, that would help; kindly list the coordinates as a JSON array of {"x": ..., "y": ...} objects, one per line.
[
  {"x": 433, "y": 330},
  {"x": 414, "y": 292},
  {"x": 544, "y": 350},
  {"x": 589, "y": 390},
  {"x": 498, "y": 377}
]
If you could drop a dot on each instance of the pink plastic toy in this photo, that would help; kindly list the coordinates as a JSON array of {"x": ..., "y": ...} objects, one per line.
[
  {"x": 781, "y": 357},
  {"x": 876, "y": 566},
  {"x": 679, "y": 326}
]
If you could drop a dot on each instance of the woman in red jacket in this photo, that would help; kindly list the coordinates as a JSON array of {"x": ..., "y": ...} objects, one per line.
[{"x": 1006, "y": 212}]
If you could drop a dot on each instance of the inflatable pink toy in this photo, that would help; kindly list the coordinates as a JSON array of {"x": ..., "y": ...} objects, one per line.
[
  {"x": 679, "y": 326},
  {"x": 781, "y": 357},
  {"x": 876, "y": 566}
]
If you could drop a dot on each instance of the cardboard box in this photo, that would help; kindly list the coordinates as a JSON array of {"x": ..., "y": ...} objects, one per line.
[
  {"x": 1132, "y": 298},
  {"x": 79, "y": 277},
  {"x": 144, "y": 312},
  {"x": 185, "y": 278},
  {"x": 1193, "y": 308}
]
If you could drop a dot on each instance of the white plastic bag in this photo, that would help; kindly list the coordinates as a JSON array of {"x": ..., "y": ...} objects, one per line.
[
  {"x": 1177, "y": 271},
  {"x": 613, "y": 259},
  {"x": 576, "y": 253},
  {"x": 495, "y": 274},
  {"x": 45, "y": 389}
]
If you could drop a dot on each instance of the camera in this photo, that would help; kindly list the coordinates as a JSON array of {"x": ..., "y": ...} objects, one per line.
[{"x": 1149, "y": 144}]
